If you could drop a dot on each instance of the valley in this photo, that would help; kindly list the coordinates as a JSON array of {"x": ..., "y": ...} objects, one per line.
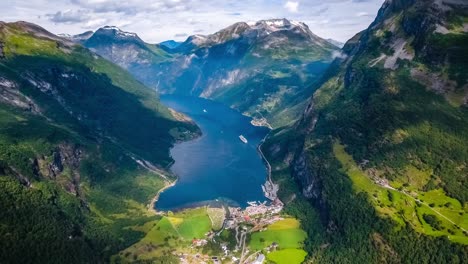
[
  {"x": 201, "y": 216},
  {"x": 251, "y": 142},
  {"x": 216, "y": 165},
  {"x": 282, "y": 59}
]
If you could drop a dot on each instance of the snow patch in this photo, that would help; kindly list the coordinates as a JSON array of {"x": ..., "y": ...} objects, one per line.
[
  {"x": 111, "y": 28},
  {"x": 120, "y": 32},
  {"x": 275, "y": 23},
  {"x": 127, "y": 34}
]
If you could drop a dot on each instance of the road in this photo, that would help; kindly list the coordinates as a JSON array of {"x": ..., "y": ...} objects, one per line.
[
  {"x": 265, "y": 159},
  {"x": 419, "y": 201},
  {"x": 242, "y": 240}
]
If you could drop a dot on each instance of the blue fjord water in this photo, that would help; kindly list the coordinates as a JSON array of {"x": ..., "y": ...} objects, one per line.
[{"x": 216, "y": 166}]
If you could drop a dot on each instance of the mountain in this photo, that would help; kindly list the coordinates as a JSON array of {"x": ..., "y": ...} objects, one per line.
[
  {"x": 170, "y": 44},
  {"x": 376, "y": 167},
  {"x": 337, "y": 43},
  {"x": 124, "y": 48},
  {"x": 80, "y": 38},
  {"x": 74, "y": 177},
  {"x": 263, "y": 69}
]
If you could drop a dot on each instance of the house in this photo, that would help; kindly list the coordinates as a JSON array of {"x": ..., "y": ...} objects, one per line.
[{"x": 260, "y": 259}]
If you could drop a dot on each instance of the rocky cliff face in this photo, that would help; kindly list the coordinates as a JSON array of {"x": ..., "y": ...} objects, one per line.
[
  {"x": 62, "y": 165},
  {"x": 264, "y": 69},
  {"x": 123, "y": 48}
]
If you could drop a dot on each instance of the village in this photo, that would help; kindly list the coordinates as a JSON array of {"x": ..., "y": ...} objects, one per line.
[{"x": 254, "y": 218}]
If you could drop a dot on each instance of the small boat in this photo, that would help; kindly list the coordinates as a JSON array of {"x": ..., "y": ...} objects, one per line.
[
  {"x": 204, "y": 111},
  {"x": 243, "y": 139}
]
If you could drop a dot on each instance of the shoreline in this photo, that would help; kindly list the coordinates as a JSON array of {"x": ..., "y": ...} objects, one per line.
[
  {"x": 186, "y": 118},
  {"x": 267, "y": 163},
  {"x": 260, "y": 123},
  {"x": 155, "y": 199},
  {"x": 170, "y": 184}
]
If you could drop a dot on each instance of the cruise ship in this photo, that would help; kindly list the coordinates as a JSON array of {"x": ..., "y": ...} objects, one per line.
[{"x": 243, "y": 139}]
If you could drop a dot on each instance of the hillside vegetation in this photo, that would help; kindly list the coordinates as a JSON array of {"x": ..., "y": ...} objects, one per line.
[
  {"x": 73, "y": 175},
  {"x": 381, "y": 151}
]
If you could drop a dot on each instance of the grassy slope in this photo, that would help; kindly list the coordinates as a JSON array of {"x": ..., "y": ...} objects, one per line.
[
  {"x": 289, "y": 237},
  {"x": 169, "y": 233},
  {"x": 100, "y": 108},
  {"x": 408, "y": 205}
]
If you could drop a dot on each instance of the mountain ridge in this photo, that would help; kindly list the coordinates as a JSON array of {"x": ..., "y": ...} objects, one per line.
[{"x": 281, "y": 58}]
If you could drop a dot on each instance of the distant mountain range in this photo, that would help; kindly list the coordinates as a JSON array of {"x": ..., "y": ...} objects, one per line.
[
  {"x": 170, "y": 44},
  {"x": 336, "y": 43},
  {"x": 263, "y": 69}
]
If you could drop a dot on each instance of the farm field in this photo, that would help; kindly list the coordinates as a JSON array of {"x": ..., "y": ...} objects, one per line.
[
  {"x": 289, "y": 238},
  {"x": 170, "y": 233}
]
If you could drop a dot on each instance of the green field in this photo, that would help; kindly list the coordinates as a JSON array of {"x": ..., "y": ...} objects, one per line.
[
  {"x": 170, "y": 233},
  {"x": 401, "y": 204},
  {"x": 195, "y": 227},
  {"x": 289, "y": 237},
  {"x": 287, "y": 256}
]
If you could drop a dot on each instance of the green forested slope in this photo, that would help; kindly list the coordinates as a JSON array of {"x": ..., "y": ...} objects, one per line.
[
  {"x": 381, "y": 150},
  {"x": 72, "y": 128}
]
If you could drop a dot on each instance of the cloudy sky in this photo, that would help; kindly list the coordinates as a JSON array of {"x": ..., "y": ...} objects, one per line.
[{"x": 159, "y": 20}]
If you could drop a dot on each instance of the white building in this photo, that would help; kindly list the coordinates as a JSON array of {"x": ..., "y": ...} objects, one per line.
[{"x": 260, "y": 259}]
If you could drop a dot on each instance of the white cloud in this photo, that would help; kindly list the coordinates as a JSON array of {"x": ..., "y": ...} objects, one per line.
[
  {"x": 69, "y": 16},
  {"x": 159, "y": 20},
  {"x": 292, "y": 6},
  {"x": 95, "y": 23},
  {"x": 362, "y": 14}
]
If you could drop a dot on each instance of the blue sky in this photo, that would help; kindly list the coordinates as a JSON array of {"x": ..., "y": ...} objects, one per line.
[{"x": 159, "y": 20}]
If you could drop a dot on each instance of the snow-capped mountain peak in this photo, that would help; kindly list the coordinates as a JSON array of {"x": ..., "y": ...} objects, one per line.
[{"x": 118, "y": 32}]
